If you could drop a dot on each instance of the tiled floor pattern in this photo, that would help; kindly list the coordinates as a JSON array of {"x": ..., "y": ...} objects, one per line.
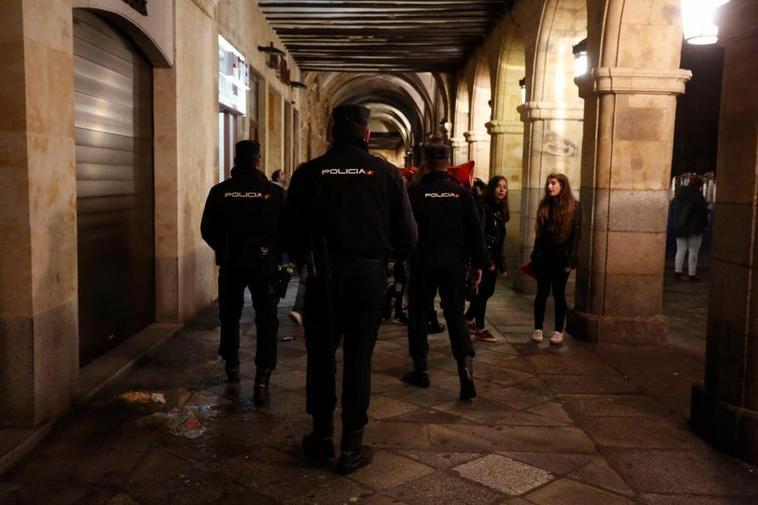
[{"x": 579, "y": 424}]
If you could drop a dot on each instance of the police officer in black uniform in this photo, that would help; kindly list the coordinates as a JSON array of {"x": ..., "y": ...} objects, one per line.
[
  {"x": 449, "y": 231},
  {"x": 349, "y": 212},
  {"x": 242, "y": 220}
]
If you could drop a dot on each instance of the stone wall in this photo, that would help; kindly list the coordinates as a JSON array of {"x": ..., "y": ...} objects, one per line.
[
  {"x": 725, "y": 406},
  {"x": 38, "y": 298},
  {"x": 39, "y": 342}
]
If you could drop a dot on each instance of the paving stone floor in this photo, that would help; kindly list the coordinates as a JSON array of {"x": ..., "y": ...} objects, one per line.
[
  {"x": 579, "y": 424},
  {"x": 685, "y": 305}
]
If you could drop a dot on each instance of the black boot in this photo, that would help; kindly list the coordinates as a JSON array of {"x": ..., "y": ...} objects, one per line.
[
  {"x": 232, "y": 369},
  {"x": 419, "y": 376},
  {"x": 260, "y": 388},
  {"x": 354, "y": 455},
  {"x": 466, "y": 375},
  {"x": 318, "y": 446}
]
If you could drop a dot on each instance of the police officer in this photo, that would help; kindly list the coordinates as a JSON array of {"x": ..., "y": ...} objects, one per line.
[
  {"x": 449, "y": 231},
  {"x": 241, "y": 222},
  {"x": 349, "y": 212}
]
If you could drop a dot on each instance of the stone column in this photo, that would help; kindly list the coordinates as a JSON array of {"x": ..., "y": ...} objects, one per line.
[
  {"x": 725, "y": 406},
  {"x": 460, "y": 150},
  {"x": 505, "y": 159},
  {"x": 479, "y": 151},
  {"x": 626, "y": 167},
  {"x": 186, "y": 161},
  {"x": 39, "y": 343},
  {"x": 552, "y": 140}
]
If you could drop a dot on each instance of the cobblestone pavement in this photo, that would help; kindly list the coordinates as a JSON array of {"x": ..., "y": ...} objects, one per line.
[{"x": 579, "y": 424}]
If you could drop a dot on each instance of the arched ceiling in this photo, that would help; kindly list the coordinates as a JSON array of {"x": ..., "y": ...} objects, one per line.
[
  {"x": 399, "y": 102},
  {"x": 382, "y": 35}
]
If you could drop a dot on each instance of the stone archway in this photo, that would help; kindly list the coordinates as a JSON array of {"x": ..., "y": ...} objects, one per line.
[
  {"x": 460, "y": 126},
  {"x": 553, "y": 112},
  {"x": 481, "y": 114},
  {"x": 507, "y": 131},
  {"x": 405, "y": 102}
]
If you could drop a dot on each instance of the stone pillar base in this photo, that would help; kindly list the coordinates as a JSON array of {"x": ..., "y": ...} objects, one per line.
[
  {"x": 616, "y": 329},
  {"x": 727, "y": 427}
]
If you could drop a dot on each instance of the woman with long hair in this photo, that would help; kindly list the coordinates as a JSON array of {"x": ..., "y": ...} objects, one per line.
[
  {"x": 494, "y": 214},
  {"x": 554, "y": 254}
]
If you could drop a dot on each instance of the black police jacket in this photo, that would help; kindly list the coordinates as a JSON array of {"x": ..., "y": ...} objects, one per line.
[
  {"x": 354, "y": 201},
  {"x": 447, "y": 217},
  {"x": 243, "y": 217}
]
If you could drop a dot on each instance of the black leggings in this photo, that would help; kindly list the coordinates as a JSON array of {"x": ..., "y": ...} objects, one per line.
[
  {"x": 478, "y": 306},
  {"x": 551, "y": 278}
]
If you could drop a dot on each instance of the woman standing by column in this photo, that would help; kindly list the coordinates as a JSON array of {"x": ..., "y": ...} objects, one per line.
[
  {"x": 494, "y": 214},
  {"x": 554, "y": 254}
]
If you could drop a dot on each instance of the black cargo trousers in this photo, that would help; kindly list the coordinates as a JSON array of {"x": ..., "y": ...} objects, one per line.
[
  {"x": 431, "y": 269},
  {"x": 261, "y": 279},
  {"x": 343, "y": 304}
]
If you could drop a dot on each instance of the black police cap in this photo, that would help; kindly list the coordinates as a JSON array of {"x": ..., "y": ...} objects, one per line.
[
  {"x": 247, "y": 149},
  {"x": 351, "y": 113},
  {"x": 433, "y": 152}
]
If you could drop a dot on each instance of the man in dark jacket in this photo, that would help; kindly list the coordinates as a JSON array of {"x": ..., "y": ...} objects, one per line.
[
  {"x": 241, "y": 222},
  {"x": 690, "y": 221},
  {"x": 449, "y": 231},
  {"x": 348, "y": 213}
]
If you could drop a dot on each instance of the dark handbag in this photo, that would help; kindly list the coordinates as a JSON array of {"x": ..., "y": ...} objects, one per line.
[{"x": 528, "y": 269}]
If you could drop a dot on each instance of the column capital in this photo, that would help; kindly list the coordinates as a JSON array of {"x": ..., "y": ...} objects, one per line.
[
  {"x": 534, "y": 111},
  {"x": 496, "y": 127},
  {"x": 624, "y": 80},
  {"x": 474, "y": 136}
]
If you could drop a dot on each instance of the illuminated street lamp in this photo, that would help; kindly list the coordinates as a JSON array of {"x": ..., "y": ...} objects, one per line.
[
  {"x": 580, "y": 58},
  {"x": 522, "y": 86},
  {"x": 698, "y": 21}
]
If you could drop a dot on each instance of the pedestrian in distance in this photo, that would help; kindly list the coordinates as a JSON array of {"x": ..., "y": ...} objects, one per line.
[
  {"x": 690, "y": 221},
  {"x": 242, "y": 223},
  {"x": 554, "y": 255},
  {"x": 279, "y": 178},
  {"x": 449, "y": 231},
  {"x": 348, "y": 212}
]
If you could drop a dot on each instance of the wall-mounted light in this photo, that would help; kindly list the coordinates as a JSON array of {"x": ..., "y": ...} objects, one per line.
[
  {"x": 270, "y": 49},
  {"x": 580, "y": 58},
  {"x": 698, "y": 21},
  {"x": 522, "y": 87},
  {"x": 298, "y": 84}
]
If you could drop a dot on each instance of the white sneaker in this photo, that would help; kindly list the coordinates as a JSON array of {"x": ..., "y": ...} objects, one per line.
[
  {"x": 537, "y": 336},
  {"x": 296, "y": 317},
  {"x": 557, "y": 338}
]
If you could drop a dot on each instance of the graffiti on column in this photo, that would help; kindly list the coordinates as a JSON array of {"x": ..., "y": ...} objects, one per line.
[{"x": 558, "y": 145}]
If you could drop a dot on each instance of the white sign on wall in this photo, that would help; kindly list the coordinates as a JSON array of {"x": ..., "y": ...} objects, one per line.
[{"x": 233, "y": 77}]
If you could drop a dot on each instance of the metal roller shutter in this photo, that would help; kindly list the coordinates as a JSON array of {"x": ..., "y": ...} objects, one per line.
[{"x": 114, "y": 182}]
